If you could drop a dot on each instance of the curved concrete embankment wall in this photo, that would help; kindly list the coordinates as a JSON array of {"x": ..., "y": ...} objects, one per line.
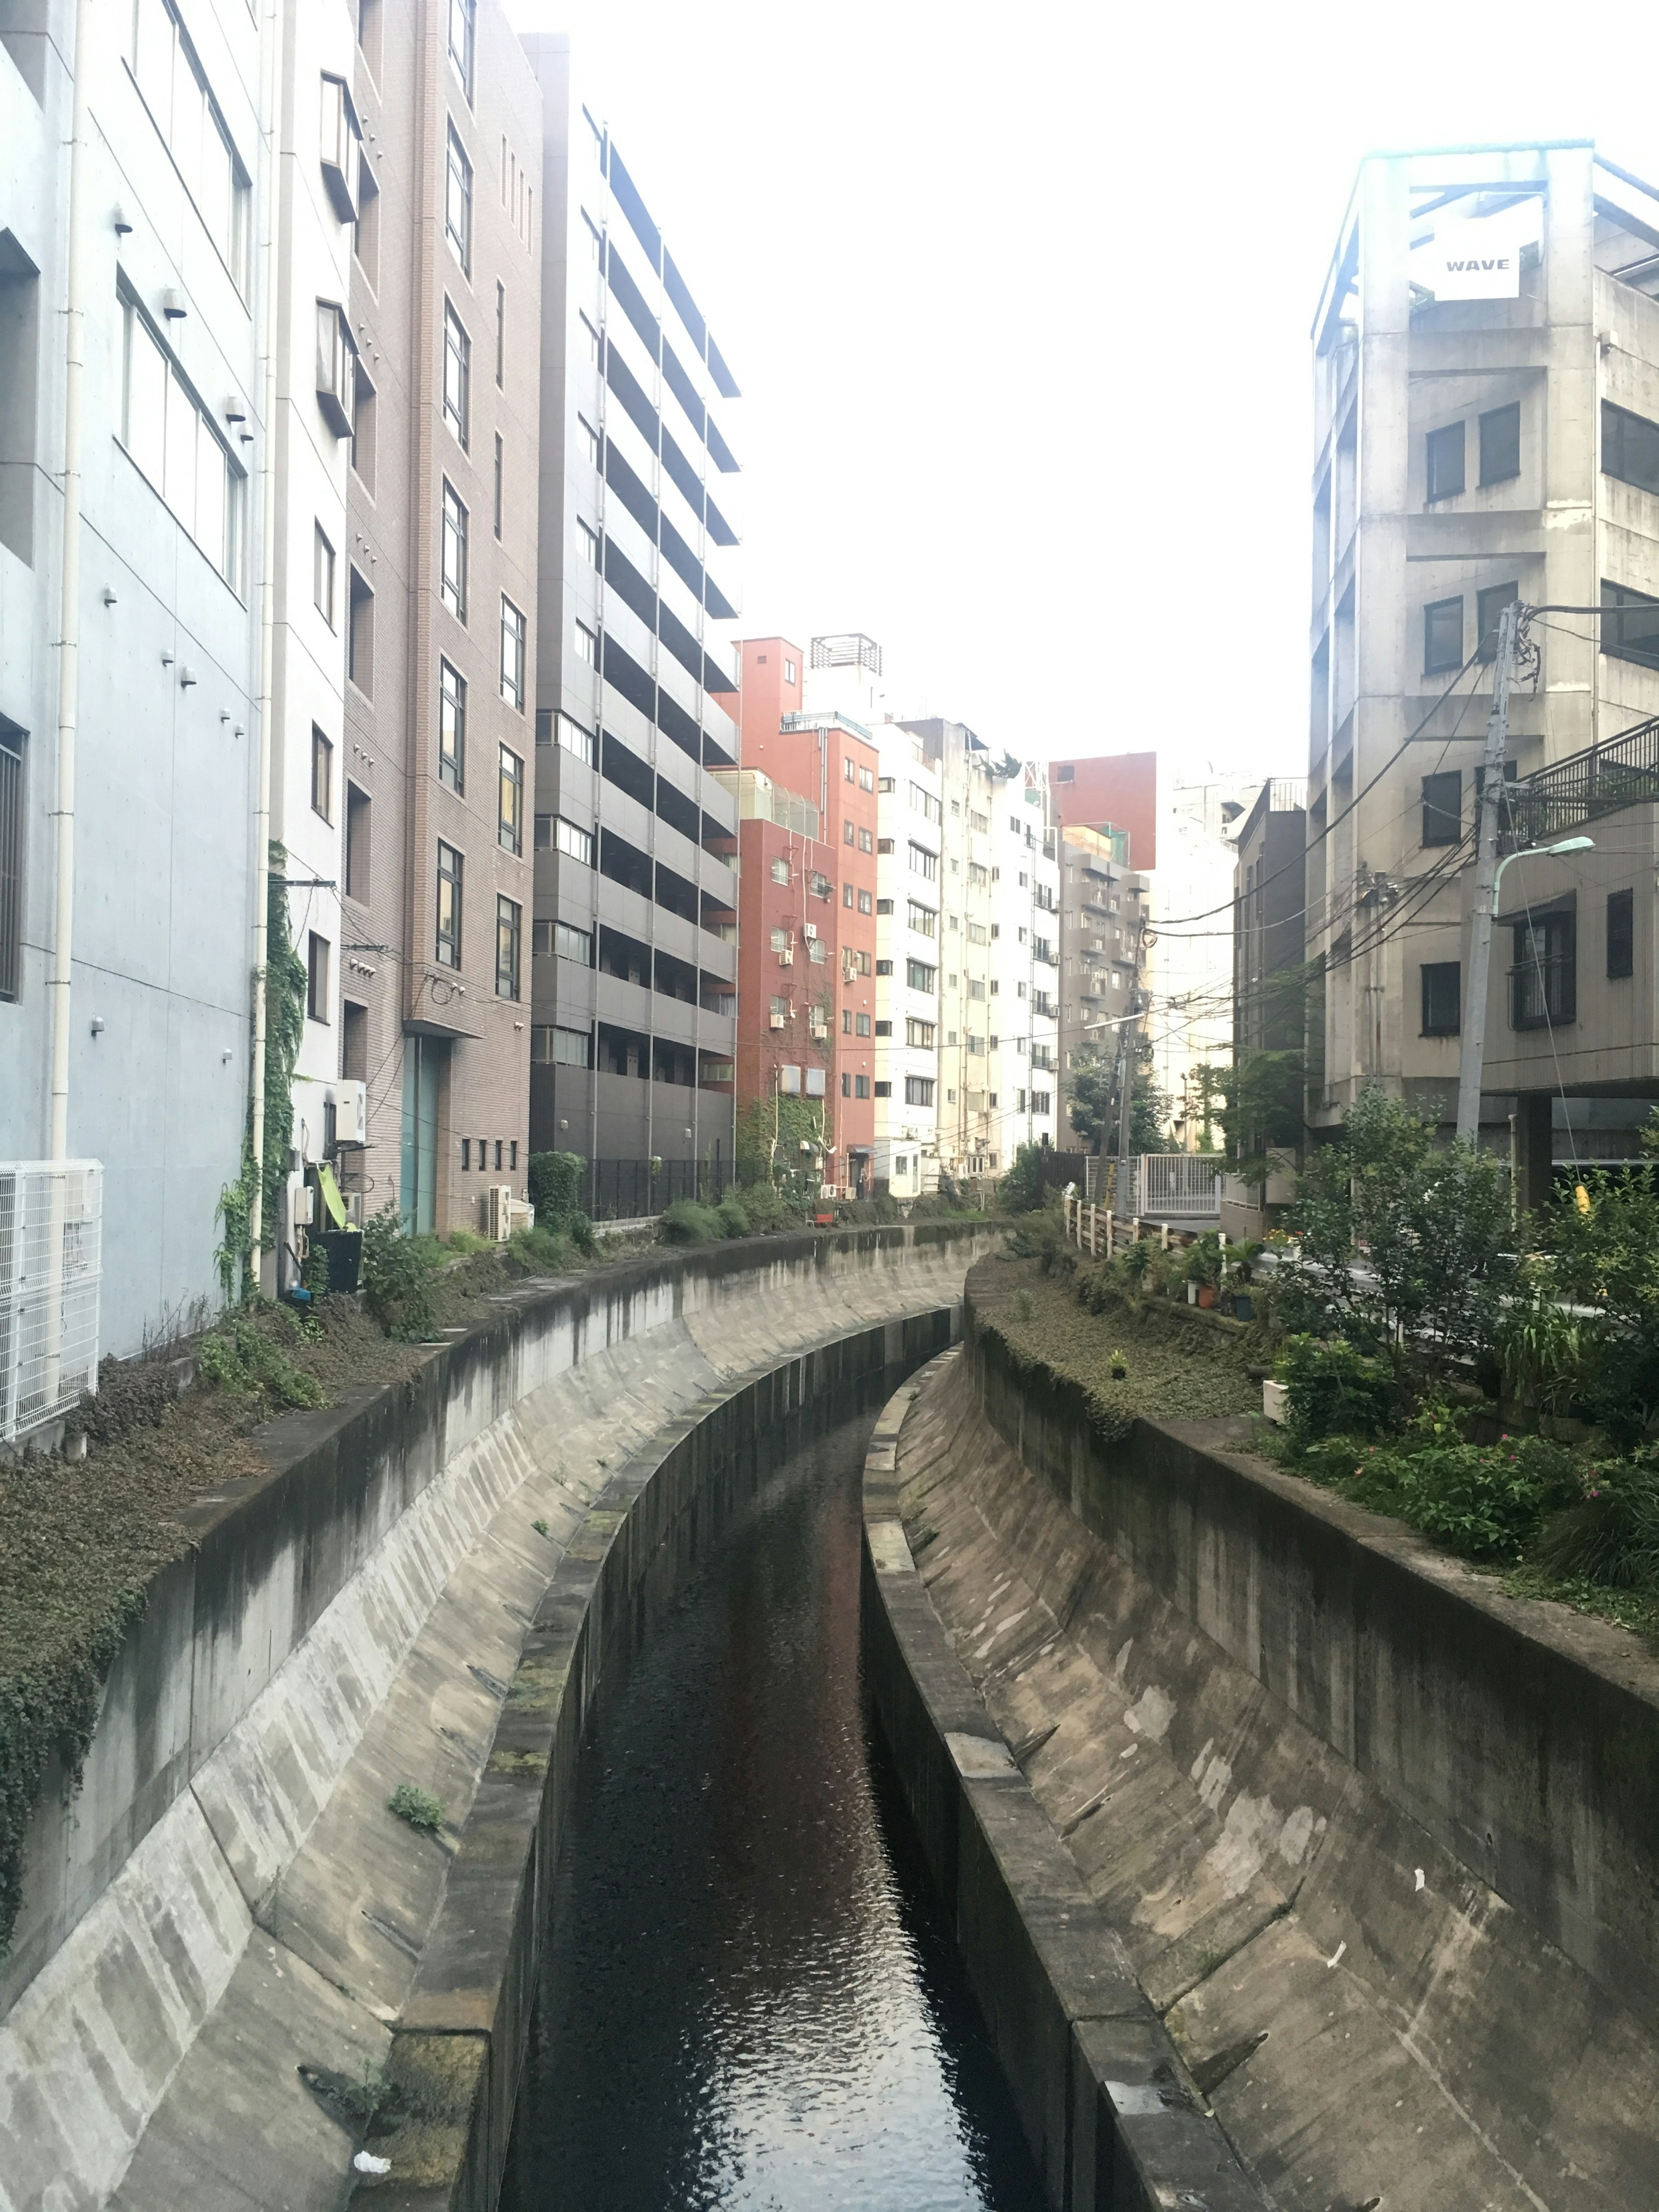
[
  {"x": 227, "y": 1897},
  {"x": 1381, "y": 1843}
]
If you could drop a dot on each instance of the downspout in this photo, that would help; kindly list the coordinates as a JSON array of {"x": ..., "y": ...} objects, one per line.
[
  {"x": 269, "y": 58},
  {"x": 69, "y": 631}
]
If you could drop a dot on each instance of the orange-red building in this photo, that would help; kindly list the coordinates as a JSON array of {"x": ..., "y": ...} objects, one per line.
[
  {"x": 798, "y": 1007},
  {"x": 1115, "y": 791}
]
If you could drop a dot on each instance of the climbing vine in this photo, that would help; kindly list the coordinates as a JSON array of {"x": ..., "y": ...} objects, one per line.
[{"x": 285, "y": 1022}]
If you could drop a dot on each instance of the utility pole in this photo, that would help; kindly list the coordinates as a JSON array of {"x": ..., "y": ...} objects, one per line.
[{"x": 1486, "y": 877}]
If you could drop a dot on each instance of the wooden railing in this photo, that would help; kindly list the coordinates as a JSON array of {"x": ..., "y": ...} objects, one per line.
[{"x": 1100, "y": 1232}]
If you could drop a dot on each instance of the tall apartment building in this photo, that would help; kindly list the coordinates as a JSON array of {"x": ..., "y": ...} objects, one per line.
[
  {"x": 155, "y": 662},
  {"x": 1104, "y": 970},
  {"x": 909, "y": 931},
  {"x": 831, "y": 761},
  {"x": 435, "y": 590},
  {"x": 634, "y": 954},
  {"x": 1486, "y": 381}
]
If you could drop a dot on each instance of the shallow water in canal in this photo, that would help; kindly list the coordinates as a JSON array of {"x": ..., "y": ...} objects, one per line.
[{"x": 749, "y": 1996}]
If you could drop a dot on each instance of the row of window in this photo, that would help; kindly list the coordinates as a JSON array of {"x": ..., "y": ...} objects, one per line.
[
  {"x": 1629, "y": 628},
  {"x": 174, "y": 87},
  {"x": 1543, "y": 980},
  {"x": 1499, "y": 438},
  {"x": 173, "y": 438},
  {"x": 453, "y": 589},
  {"x": 506, "y": 1154},
  {"x": 450, "y": 915}
]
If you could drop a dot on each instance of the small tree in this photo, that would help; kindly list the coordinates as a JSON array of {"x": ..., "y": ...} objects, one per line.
[
  {"x": 1400, "y": 1239},
  {"x": 1092, "y": 1092},
  {"x": 1602, "y": 1252},
  {"x": 1020, "y": 1190}
]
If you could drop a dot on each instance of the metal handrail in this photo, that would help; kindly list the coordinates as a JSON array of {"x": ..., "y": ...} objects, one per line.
[{"x": 1622, "y": 772}]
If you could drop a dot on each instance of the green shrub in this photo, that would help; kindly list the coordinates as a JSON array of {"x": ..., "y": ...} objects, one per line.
[
  {"x": 765, "y": 1206},
  {"x": 1020, "y": 1190},
  {"x": 541, "y": 1251},
  {"x": 1336, "y": 1390},
  {"x": 554, "y": 1180},
  {"x": 417, "y": 1807},
  {"x": 397, "y": 1276},
  {"x": 238, "y": 1356},
  {"x": 732, "y": 1216},
  {"x": 468, "y": 1241},
  {"x": 1546, "y": 1354},
  {"x": 687, "y": 1222},
  {"x": 1204, "y": 1259},
  {"x": 580, "y": 1231}
]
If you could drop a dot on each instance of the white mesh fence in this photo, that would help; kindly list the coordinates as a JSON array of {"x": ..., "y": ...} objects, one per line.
[{"x": 50, "y": 1268}]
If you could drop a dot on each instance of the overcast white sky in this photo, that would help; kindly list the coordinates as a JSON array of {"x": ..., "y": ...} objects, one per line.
[{"x": 1019, "y": 300}]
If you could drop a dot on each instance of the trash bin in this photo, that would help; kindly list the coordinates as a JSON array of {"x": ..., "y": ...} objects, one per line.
[{"x": 344, "y": 1247}]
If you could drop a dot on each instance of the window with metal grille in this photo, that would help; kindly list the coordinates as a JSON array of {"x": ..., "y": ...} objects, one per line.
[
  {"x": 1442, "y": 997},
  {"x": 1442, "y": 808},
  {"x": 1500, "y": 443},
  {"x": 11, "y": 860},
  {"x": 1544, "y": 980},
  {"x": 1445, "y": 462},
  {"x": 1621, "y": 934}
]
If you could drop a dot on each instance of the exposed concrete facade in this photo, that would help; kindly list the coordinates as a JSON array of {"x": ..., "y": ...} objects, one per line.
[
  {"x": 636, "y": 691},
  {"x": 1467, "y": 450},
  {"x": 1103, "y": 916}
]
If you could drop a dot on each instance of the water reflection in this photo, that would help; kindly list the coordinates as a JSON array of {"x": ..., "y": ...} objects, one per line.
[{"x": 751, "y": 1999}]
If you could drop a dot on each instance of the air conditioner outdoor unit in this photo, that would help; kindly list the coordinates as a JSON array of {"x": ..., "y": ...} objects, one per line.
[
  {"x": 780, "y": 1021},
  {"x": 498, "y": 1209},
  {"x": 809, "y": 929},
  {"x": 786, "y": 959},
  {"x": 350, "y": 1112}
]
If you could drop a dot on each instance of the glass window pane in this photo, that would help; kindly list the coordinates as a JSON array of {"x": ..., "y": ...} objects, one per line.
[
  {"x": 147, "y": 399},
  {"x": 180, "y": 485},
  {"x": 210, "y": 495}
]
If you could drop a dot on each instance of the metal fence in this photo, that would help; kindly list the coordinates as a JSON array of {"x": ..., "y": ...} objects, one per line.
[
  {"x": 1622, "y": 772},
  {"x": 632, "y": 1190},
  {"x": 50, "y": 1268}
]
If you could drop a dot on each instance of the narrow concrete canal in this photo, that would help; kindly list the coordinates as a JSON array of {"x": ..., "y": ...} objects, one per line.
[{"x": 751, "y": 1997}]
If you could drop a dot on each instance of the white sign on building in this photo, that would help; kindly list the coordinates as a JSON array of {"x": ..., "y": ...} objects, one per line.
[{"x": 1470, "y": 261}]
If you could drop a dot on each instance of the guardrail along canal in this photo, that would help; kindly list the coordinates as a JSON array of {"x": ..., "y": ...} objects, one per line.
[{"x": 750, "y": 1995}]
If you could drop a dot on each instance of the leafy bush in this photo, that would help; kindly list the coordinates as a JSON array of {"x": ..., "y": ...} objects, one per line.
[
  {"x": 1204, "y": 1259},
  {"x": 1333, "y": 1389},
  {"x": 1020, "y": 1190},
  {"x": 467, "y": 1242},
  {"x": 686, "y": 1222},
  {"x": 417, "y": 1807},
  {"x": 765, "y": 1205},
  {"x": 1484, "y": 1501},
  {"x": 1610, "y": 1533},
  {"x": 554, "y": 1180},
  {"x": 396, "y": 1277},
  {"x": 1547, "y": 1355},
  {"x": 732, "y": 1217},
  {"x": 541, "y": 1251},
  {"x": 241, "y": 1357}
]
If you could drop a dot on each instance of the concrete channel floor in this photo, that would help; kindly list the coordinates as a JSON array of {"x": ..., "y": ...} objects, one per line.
[{"x": 1373, "y": 2024}]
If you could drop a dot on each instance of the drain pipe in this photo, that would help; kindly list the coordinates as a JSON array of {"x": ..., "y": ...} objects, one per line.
[
  {"x": 69, "y": 626},
  {"x": 269, "y": 70}
]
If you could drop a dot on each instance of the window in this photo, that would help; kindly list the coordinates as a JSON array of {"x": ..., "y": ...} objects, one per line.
[
  {"x": 322, "y": 576},
  {"x": 590, "y": 440},
  {"x": 846, "y": 1086},
  {"x": 177, "y": 447},
  {"x": 450, "y": 868},
  {"x": 1442, "y": 808},
  {"x": 590, "y": 544},
  {"x": 1042, "y": 1102},
  {"x": 866, "y": 779},
  {"x": 919, "y": 1090},
  {"x": 317, "y": 952},
  {"x": 544, "y": 833},
  {"x": 924, "y": 920},
  {"x": 780, "y": 940},
  {"x": 780, "y": 870},
  {"x": 861, "y": 1025},
  {"x": 977, "y": 934},
  {"x": 1500, "y": 443},
  {"x": 501, "y": 334},
  {"x": 866, "y": 842},
  {"x": 920, "y": 977},
  {"x": 1621, "y": 934},
  {"x": 885, "y": 1090},
  {"x": 980, "y": 822},
  {"x": 570, "y": 942},
  {"x": 1443, "y": 636},
  {"x": 509, "y": 826},
  {"x": 1488, "y": 606},
  {"x": 184, "y": 112},
  {"x": 339, "y": 140},
  {"x": 920, "y": 1034},
  {"x": 362, "y": 429},
  {"x": 1445, "y": 462},
  {"x": 570, "y": 732},
  {"x": 366, "y": 227},
  {"x": 848, "y": 832},
  {"x": 509, "y": 928},
  {"x": 847, "y": 895},
  {"x": 452, "y": 727},
  {"x": 513, "y": 639},
  {"x": 1630, "y": 448},
  {"x": 336, "y": 363},
  {"x": 587, "y": 645},
  {"x": 453, "y": 567},
  {"x": 924, "y": 863},
  {"x": 883, "y": 967},
  {"x": 11, "y": 859},
  {"x": 924, "y": 803},
  {"x": 462, "y": 14},
  {"x": 847, "y": 1021},
  {"x": 1441, "y": 995},
  {"x": 866, "y": 902},
  {"x": 322, "y": 774},
  {"x": 458, "y": 203},
  {"x": 789, "y": 670},
  {"x": 458, "y": 374},
  {"x": 561, "y": 1048},
  {"x": 976, "y": 874},
  {"x": 592, "y": 339},
  {"x": 360, "y": 634},
  {"x": 861, "y": 1086},
  {"x": 976, "y": 988},
  {"x": 1544, "y": 980},
  {"x": 1632, "y": 632},
  {"x": 499, "y": 460},
  {"x": 884, "y": 1029},
  {"x": 359, "y": 817},
  {"x": 572, "y": 840},
  {"x": 884, "y": 845}
]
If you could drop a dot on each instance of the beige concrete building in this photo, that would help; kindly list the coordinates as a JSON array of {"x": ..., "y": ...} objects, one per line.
[
  {"x": 439, "y": 582},
  {"x": 1486, "y": 374}
]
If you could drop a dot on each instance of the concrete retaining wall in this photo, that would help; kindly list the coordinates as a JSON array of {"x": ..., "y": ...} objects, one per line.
[
  {"x": 1114, "y": 2120},
  {"x": 227, "y": 1896},
  {"x": 1379, "y": 1841}
]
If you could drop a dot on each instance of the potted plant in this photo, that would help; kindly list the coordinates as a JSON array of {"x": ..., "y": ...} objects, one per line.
[{"x": 1204, "y": 1269}]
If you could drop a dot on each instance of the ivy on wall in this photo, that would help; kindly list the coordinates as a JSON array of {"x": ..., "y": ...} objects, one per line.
[{"x": 285, "y": 984}]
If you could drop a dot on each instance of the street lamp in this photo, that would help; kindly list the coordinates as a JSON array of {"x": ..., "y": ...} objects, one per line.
[
  {"x": 1473, "y": 1055},
  {"x": 1566, "y": 845}
]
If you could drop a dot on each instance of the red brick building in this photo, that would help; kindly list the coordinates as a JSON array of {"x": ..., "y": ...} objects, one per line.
[
  {"x": 791, "y": 879},
  {"x": 1117, "y": 791}
]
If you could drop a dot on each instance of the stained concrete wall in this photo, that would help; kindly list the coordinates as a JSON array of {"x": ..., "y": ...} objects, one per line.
[
  {"x": 1380, "y": 1842},
  {"x": 227, "y": 1897}
]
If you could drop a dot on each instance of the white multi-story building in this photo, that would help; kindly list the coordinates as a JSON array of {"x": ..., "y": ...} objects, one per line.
[{"x": 909, "y": 850}]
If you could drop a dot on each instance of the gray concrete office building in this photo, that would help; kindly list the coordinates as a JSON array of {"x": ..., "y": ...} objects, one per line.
[{"x": 634, "y": 938}]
